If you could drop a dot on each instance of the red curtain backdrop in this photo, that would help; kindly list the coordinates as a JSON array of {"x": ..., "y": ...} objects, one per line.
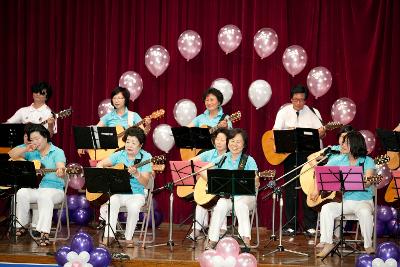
[{"x": 82, "y": 47}]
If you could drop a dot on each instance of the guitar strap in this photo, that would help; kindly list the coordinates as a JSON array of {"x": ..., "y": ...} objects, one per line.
[
  {"x": 130, "y": 118},
  {"x": 243, "y": 161},
  {"x": 312, "y": 109},
  {"x": 222, "y": 118},
  {"x": 139, "y": 159}
]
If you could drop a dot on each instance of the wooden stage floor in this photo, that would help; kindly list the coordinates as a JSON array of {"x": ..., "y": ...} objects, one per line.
[{"x": 183, "y": 255}]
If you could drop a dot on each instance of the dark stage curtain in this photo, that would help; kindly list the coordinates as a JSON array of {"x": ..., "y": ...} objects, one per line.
[{"x": 81, "y": 47}]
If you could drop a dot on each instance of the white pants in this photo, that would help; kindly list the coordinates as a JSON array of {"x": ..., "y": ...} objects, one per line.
[
  {"x": 243, "y": 206},
  {"x": 104, "y": 209},
  {"x": 363, "y": 209},
  {"x": 202, "y": 218},
  {"x": 45, "y": 199},
  {"x": 133, "y": 203}
]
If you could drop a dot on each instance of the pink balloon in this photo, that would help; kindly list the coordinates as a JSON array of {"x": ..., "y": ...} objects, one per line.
[
  {"x": 369, "y": 140},
  {"x": 229, "y": 38},
  {"x": 76, "y": 178},
  {"x": 384, "y": 170},
  {"x": 265, "y": 42},
  {"x": 343, "y": 110},
  {"x": 294, "y": 59},
  {"x": 156, "y": 60},
  {"x": 228, "y": 246},
  {"x": 184, "y": 111},
  {"x": 104, "y": 107},
  {"x": 189, "y": 44},
  {"x": 206, "y": 257},
  {"x": 246, "y": 260},
  {"x": 133, "y": 82},
  {"x": 76, "y": 264},
  {"x": 319, "y": 81}
]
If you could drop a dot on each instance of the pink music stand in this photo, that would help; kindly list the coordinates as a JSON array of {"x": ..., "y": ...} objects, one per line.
[
  {"x": 181, "y": 171},
  {"x": 329, "y": 178}
]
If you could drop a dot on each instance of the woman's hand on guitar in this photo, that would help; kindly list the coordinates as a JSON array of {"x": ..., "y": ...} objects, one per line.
[
  {"x": 133, "y": 171},
  {"x": 60, "y": 172},
  {"x": 223, "y": 124},
  {"x": 314, "y": 195}
]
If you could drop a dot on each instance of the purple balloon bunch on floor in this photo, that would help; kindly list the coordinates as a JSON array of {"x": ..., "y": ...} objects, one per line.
[
  {"x": 387, "y": 222},
  {"x": 386, "y": 252},
  {"x": 78, "y": 209},
  {"x": 99, "y": 257}
]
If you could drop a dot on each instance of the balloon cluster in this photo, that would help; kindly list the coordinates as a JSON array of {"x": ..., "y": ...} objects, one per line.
[
  {"x": 76, "y": 180},
  {"x": 227, "y": 254},
  {"x": 387, "y": 222},
  {"x": 78, "y": 209},
  {"x": 387, "y": 255},
  {"x": 82, "y": 253},
  {"x": 158, "y": 216}
]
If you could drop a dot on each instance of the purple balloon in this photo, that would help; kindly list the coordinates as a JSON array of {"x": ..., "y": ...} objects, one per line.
[
  {"x": 63, "y": 216},
  {"x": 393, "y": 227},
  {"x": 82, "y": 216},
  {"x": 394, "y": 212},
  {"x": 364, "y": 260},
  {"x": 123, "y": 216},
  {"x": 83, "y": 202},
  {"x": 73, "y": 202},
  {"x": 380, "y": 228},
  {"x": 61, "y": 255},
  {"x": 384, "y": 213},
  {"x": 387, "y": 250},
  {"x": 100, "y": 257},
  {"x": 158, "y": 218},
  {"x": 82, "y": 242}
]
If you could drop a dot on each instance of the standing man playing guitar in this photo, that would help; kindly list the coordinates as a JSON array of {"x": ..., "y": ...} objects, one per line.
[
  {"x": 289, "y": 117},
  {"x": 50, "y": 189},
  {"x": 132, "y": 154},
  {"x": 38, "y": 111},
  {"x": 354, "y": 153}
]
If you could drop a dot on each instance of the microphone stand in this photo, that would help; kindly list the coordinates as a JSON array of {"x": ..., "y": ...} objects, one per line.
[
  {"x": 170, "y": 186},
  {"x": 277, "y": 193}
]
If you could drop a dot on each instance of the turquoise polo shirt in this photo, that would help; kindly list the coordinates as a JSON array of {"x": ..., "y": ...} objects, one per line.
[
  {"x": 122, "y": 157},
  {"x": 204, "y": 119},
  {"x": 230, "y": 164},
  {"x": 49, "y": 161},
  {"x": 209, "y": 155},
  {"x": 112, "y": 119},
  {"x": 343, "y": 160}
]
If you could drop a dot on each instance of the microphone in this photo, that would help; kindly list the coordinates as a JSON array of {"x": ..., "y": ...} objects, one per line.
[{"x": 219, "y": 164}]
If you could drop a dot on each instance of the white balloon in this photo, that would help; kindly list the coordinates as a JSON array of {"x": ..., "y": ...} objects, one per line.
[
  {"x": 377, "y": 262},
  {"x": 260, "y": 93},
  {"x": 184, "y": 111},
  {"x": 163, "y": 138},
  {"x": 72, "y": 256},
  {"x": 218, "y": 261},
  {"x": 390, "y": 263},
  {"x": 225, "y": 87},
  {"x": 84, "y": 256}
]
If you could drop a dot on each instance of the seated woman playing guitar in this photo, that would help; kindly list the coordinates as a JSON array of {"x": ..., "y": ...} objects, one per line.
[
  {"x": 132, "y": 154},
  {"x": 233, "y": 160},
  {"x": 50, "y": 189},
  {"x": 353, "y": 153},
  {"x": 220, "y": 141}
]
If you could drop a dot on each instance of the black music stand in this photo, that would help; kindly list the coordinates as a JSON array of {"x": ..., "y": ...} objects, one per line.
[
  {"x": 233, "y": 183},
  {"x": 94, "y": 137},
  {"x": 390, "y": 139},
  {"x": 341, "y": 179},
  {"x": 192, "y": 137},
  {"x": 11, "y": 135},
  {"x": 17, "y": 174},
  {"x": 181, "y": 174},
  {"x": 108, "y": 181}
]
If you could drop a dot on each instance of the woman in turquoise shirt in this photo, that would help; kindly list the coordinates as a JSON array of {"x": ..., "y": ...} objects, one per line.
[
  {"x": 50, "y": 189},
  {"x": 354, "y": 153},
  {"x": 132, "y": 154}
]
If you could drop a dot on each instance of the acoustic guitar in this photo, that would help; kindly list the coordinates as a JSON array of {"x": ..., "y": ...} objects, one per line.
[
  {"x": 394, "y": 162},
  {"x": 187, "y": 153},
  {"x": 268, "y": 144},
  {"x": 60, "y": 115},
  {"x": 208, "y": 201},
  {"x": 307, "y": 182},
  {"x": 99, "y": 154},
  {"x": 100, "y": 198}
]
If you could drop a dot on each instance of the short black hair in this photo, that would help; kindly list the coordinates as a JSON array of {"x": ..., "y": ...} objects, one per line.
[
  {"x": 344, "y": 129},
  {"x": 137, "y": 132},
  {"x": 41, "y": 87},
  {"x": 125, "y": 92},
  {"x": 299, "y": 89},
  {"x": 356, "y": 141},
  {"x": 32, "y": 127},
  {"x": 243, "y": 133},
  {"x": 224, "y": 131},
  {"x": 213, "y": 91}
]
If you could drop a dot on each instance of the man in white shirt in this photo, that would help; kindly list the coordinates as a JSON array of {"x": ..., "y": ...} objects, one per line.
[
  {"x": 298, "y": 115},
  {"x": 38, "y": 111}
]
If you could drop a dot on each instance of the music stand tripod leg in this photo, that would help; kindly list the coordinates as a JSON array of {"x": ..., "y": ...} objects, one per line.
[
  {"x": 193, "y": 227},
  {"x": 108, "y": 226}
]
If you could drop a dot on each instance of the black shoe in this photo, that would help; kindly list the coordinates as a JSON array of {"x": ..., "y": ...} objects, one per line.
[
  {"x": 101, "y": 225},
  {"x": 288, "y": 232},
  {"x": 35, "y": 234}
]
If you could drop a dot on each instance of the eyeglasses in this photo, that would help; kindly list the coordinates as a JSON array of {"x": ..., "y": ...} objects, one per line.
[
  {"x": 298, "y": 100},
  {"x": 118, "y": 98},
  {"x": 43, "y": 92}
]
